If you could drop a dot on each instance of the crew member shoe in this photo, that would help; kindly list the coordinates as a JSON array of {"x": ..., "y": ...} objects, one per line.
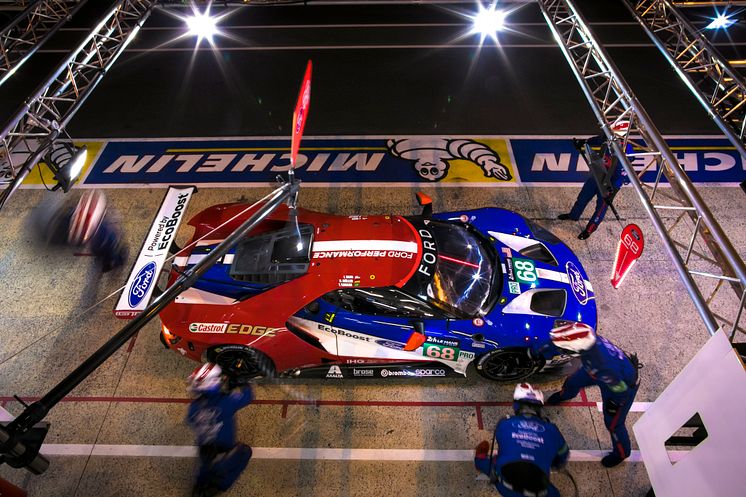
[
  {"x": 611, "y": 459},
  {"x": 565, "y": 217},
  {"x": 583, "y": 235},
  {"x": 553, "y": 399},
  {"x": 483, "y": 450}
]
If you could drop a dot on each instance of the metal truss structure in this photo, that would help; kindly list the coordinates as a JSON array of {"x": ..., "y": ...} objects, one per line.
[
  {"x": 612, "y": 101},
  {"x": 30, "y": 30},
  {"x": 41, "y": 119},
  {"x": 709, "y": 76}
]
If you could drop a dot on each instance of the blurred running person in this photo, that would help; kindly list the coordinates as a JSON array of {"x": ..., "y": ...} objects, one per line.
[
  {"x": 211, "y": 417},
  {"x": 606, "y": 365},
  {"x": 87, "y": 224},
  {"x": 529, "y": 445}
]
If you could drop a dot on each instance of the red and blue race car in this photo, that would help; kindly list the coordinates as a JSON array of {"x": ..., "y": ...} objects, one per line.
[{"x": 377, "y": 296}]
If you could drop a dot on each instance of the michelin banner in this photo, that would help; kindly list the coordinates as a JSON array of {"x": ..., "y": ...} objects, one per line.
[{"x": 384, "y": 161}]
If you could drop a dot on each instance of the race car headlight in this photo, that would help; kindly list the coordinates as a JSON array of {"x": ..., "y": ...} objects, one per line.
[{"x": 168, "y": 336}]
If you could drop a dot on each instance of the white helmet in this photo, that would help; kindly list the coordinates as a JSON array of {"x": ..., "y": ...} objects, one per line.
[
  {"x": 87, "y": 217},
  {"x": 574, "y": 337},
  {"x": 620, "y": 128},
  {"x": 206, "y": 378},
  {"x": 524, "y": 392}
]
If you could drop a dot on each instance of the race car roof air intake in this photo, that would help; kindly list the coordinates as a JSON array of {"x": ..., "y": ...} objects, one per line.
[{"x": 274, "y": 257}]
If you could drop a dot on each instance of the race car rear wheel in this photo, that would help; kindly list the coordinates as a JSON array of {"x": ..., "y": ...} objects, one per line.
[
  {"x": 241, "y": 363},
  {"x": 508, "y": 364}
]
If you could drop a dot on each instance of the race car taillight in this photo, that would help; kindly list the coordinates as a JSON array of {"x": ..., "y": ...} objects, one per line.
[{"x": 168, "y": 336}]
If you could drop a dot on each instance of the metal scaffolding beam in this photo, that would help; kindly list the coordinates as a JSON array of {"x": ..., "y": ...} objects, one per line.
[
  {"x": 612, "y": 101},
  {"x": 707, "y": 74},
  {"x": 29, "y": 133},
  {"x": 30, "y": 30}
]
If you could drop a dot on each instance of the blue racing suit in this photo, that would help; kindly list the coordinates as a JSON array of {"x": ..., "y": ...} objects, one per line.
[
  {"x": 590, "y": 188},
  {"x": 528, "y": 446},
  {"x": 611, "y": 369},
  {"x": 211, "y": 417}
]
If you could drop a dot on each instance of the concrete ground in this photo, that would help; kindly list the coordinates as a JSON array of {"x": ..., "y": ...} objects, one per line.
[{"x": 55, "y": 309}]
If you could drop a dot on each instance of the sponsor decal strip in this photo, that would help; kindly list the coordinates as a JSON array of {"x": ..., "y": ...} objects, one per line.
[
  {"x": 142, "y": 280},
  {"x": 315, "y": 453},
  {"x": 548, "y": 274},
  {"x": 364, "y": 245},
  {"x": 387, "y": 161}
]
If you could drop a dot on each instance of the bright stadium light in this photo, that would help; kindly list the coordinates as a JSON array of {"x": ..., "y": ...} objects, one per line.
[
  {"x": 721, "y": 21},
  {"x": 488, "y": 21},
  {"x": 202, "y": 25}
]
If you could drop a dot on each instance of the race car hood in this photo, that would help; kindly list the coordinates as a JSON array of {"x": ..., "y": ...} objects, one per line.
[
  {"x": 542, "y": 279},
  {"x": 345, "y": 251}
]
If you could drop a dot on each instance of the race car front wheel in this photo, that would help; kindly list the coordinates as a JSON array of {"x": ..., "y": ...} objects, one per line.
[
  {"x": 508, "y": 364},
  {"x": 241, "y": 363}
]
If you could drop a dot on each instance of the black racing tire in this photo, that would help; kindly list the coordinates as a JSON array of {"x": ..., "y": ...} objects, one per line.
[
  {"x": 508, "y": 364},
  {"x": 241, "y": 363}
]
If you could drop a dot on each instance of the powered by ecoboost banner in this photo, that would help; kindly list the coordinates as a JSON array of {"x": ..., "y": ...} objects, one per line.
[
  {"x": 142, "y": 280},
  {"x": 386, "y": 161}
]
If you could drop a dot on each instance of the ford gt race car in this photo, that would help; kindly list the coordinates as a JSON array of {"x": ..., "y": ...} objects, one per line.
[{"x": 377, "y": 296}]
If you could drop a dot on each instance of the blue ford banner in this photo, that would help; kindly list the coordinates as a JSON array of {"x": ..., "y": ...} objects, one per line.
[{"x": 384, "y": 161}]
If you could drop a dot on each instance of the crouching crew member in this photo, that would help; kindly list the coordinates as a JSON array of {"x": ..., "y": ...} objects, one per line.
[
  {"x": 528, "y": 446},
  {"x": 607, "y": 366},
  {"x": 211, "y": 417}
]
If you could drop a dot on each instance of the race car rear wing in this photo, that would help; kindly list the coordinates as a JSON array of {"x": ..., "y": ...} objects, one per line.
[{"x": 155, "y": 248}]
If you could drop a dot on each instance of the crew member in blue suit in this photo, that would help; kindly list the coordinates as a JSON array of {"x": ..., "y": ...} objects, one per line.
[
  {"x": 606, "y": 365},
  {"x": 590, "y": 187},
  {"x": 211, "y": 417},
  {"x": 529, "y": 445}
]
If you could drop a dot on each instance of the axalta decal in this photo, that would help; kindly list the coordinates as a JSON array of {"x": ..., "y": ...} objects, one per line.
[{"x": 141, "y": 284}]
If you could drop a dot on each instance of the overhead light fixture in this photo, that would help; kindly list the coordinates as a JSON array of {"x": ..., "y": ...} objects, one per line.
[
  {"x": 488, "y": 21},
  {"x": 721, "y": 21},
  {"x": 66, "y": 162},
  {"x": 202, "y": 25}
]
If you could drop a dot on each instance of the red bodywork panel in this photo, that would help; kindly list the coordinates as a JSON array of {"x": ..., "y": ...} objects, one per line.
[{"x": 381, "y": 250}]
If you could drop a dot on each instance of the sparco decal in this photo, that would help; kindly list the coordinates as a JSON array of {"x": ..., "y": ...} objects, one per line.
[
  {"x": 207, "y": 327},
  {"x": 141, "y": 284},
  {"x": 430, "y": 372},
  {"x": 343, "y": 333},
  {"x": 576, "y": 283}
]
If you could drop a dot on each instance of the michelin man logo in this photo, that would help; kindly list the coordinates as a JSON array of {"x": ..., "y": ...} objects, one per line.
[{"x": 431, "y": 156}]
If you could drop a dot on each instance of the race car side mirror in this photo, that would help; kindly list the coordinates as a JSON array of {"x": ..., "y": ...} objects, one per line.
[
  {"x": 417, "y": 338},
  {"x": 427, "y": 204}
]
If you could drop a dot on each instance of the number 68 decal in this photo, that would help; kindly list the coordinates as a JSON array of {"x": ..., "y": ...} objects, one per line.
[
  {"x": 441, "y": 352},
  {"x": 525, "y": 271}
]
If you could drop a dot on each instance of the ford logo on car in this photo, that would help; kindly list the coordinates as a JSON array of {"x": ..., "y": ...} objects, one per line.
[
  {"x": 576, "y": 283},
  {"x": 141, "y": 284}
]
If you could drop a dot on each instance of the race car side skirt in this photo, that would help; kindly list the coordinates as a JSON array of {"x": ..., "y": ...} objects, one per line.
[{"x": 363, "y": 371}]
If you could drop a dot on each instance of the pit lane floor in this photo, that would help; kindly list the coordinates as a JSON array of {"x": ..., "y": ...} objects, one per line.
[{"x": 123, "y": 432}]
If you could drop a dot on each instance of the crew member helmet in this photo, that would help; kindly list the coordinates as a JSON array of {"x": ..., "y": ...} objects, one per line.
[
  {"x": 573, "y": 337},
  {"x": 620, "y": 128},
  {"x": 525, "y": 393},
  {"x": 87, "y": 217},
  {"x": 206, "y": 378}
]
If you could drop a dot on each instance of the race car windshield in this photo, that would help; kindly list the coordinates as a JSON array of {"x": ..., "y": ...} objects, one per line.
[{"x": 464, "y": 271}]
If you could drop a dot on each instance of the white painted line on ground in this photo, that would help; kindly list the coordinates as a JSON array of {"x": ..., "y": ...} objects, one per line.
[
  {"x": 636, "y": 406},
  {"x": 434, "y": 455},
  {"x": 5, "y": 415}
]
